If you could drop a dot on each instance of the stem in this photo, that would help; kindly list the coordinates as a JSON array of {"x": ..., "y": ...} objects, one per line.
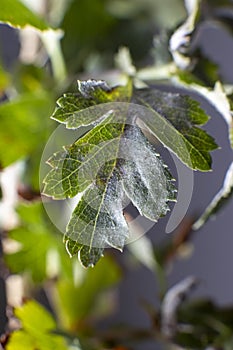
[
  {"x": 157, "y": 73},
  {"x": 51, "y": 41}
]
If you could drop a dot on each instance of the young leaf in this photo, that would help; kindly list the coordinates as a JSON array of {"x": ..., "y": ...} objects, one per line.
[
  {"x": 37, "y": 327},
  {"x": 180, "y": 40},
  {"x": 219, "y": 200},
  {"x": 14, "y": 13},
  {"x": 114, "y": 161},
  {"x": 172, "y": 301},
  {"x": 21, "y": 134}
]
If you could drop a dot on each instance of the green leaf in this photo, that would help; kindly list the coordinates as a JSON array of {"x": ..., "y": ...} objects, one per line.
[
  {"x": 205, "y": 73},
  {"x": 4, "y": 79},
  {"x": 204, "y": 317},
  {"x": 114, "y": 162},
  {"x": 87, "y": 25},
  {"x": 220, "y": 199},
  {"x": 14, "y": 13},
  {"x": 97, "y": 220},
  {"x": 23, "y": 125},
  {"x": 72, "y": 107},
  {"x": 38, "y": 244},
  {"x": 78, "y": 301},
  {"x": 174, "y": 120},
  {"x": 219, "y": 98},
  {"x": 34, "y": 240},
  {"x": 157, "y": 10},
  {"x": 37, "y": 327}
]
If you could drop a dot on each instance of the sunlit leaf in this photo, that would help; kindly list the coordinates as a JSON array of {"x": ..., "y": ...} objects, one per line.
[
  {"x": 36, "y": 333},
  {"x": 23, "y": 125},
  {"x": 4, "y": 79},
  {"x": 124, "y": 62},
  {"x": 16, "y": 14},
  {"x": 37, "y": 242}
]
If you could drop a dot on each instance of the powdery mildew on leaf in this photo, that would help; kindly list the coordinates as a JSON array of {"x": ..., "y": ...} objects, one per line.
[{"x": 114, "y": 163}]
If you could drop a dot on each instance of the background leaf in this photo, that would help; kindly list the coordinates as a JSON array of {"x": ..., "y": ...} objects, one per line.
[
  {"x": 36, "y": 332},
  {"x": 38, "y": 240},
  {"x": 25, "y": 121},
  {"x": 14, "y": 13},
  {"x": 80, "y": 300}
]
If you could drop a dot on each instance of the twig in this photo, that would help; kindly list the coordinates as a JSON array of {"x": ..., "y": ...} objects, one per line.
[{"x": 171, "y": 302}]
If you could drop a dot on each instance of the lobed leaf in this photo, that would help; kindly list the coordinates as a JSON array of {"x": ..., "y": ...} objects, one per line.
[{"x": 114, "y": 162}]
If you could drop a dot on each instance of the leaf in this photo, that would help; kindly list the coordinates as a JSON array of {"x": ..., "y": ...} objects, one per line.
[
  {"x": 34, "y": 240},
  {"x": 114, "y": 162},
  {"x": 220, "y": 199},
  {"x": 181, "y": 38},
  {"x": 179, "y": 115},
  {"x": 142, "y": 250},
  {"x": 36, "y": 332},
  {"x": 15, "y": 14},
  {"x": 78, "y": 300},
  {"x": 4, "y": 79},
  {"x": 37, "y": 242},
  {"x": 223, "y": 104},
  {"x": 97, "y": 220},
  {"x": 124, "y": 62},
  {"x": 174, "y": 120},
  {"x": 23, "y": 131},
  {"x": 219, "y": 99},
  {"x": 205, "y": 73},
  {"x": 204, "y": 317},
  {"x": 90, "y": 93}
]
